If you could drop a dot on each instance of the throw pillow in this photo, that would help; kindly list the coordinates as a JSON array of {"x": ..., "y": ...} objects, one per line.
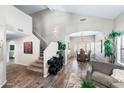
[{"x": 118, "y": 74}]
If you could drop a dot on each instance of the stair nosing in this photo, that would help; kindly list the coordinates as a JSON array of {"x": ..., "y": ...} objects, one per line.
[
  {"x": 29, "y": 68},
  {"x": 39, "y": 66}
]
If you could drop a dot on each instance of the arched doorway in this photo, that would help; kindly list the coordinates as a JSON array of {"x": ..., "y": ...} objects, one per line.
[
  {"x": 87, "y": 40},
  {"x": 11, "y": 51}
]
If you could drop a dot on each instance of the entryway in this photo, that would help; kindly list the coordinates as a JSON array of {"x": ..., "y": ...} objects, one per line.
[{"x": 12, "y": 52}]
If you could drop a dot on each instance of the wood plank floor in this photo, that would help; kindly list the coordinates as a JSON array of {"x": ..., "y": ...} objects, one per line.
[{"x": 19, "y": 77}]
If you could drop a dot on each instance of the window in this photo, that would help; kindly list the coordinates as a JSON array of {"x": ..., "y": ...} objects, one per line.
[{"x": 122, "y": 49}]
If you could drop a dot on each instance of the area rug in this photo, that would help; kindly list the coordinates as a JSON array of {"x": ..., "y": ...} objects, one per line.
[{"x": 74, "y": 81}]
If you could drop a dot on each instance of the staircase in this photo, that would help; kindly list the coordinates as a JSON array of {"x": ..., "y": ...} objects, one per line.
[{"x": 36, "y": 66}]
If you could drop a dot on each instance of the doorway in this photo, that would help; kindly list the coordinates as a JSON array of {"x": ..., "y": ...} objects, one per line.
[
  {"x": 88, "y": 41},
  {"x": 11, "y": 51},
  {"x": 12, "y": 38}
]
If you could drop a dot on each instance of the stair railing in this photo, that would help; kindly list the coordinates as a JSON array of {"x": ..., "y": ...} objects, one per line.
[{"x": 41, "y": 38}]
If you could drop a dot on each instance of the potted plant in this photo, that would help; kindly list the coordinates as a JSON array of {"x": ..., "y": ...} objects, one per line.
[
  {"x": 61, "y": 49},
  {"x": 87, "y": 84},
  {"x": 110, "y": 46},
  {"x": 108, "y": 49},
  {"x": 56, "y": 62}
]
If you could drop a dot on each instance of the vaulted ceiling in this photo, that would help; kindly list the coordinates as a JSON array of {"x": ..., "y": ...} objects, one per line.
[{"x": 103, "y": 11}]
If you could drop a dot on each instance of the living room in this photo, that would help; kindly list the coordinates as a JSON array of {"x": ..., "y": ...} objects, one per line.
[{"x": 57, "y": 23}]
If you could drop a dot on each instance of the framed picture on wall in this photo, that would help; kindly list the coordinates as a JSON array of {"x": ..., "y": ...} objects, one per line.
[{"x": 28, "y": 48}]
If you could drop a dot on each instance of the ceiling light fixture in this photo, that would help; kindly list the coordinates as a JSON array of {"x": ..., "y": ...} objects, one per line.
[{"x": 55, "y": 30}]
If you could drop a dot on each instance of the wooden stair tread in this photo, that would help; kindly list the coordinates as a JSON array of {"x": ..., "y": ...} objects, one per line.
[
  {"x": 41, "y": 58},
  {"x": 35, "y": 69},
  {"x": 39, "y": 61},
  {"x": 36, "y": 64}
]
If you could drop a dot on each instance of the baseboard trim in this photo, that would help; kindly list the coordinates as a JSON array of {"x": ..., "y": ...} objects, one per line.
[
  {"x": 45, "y": 75},
  {"x": 3, "y": 84},
  {"x": 22, "y": 64}
]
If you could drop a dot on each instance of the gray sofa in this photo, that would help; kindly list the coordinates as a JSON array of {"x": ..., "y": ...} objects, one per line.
[{"x": 101, "y": 75}]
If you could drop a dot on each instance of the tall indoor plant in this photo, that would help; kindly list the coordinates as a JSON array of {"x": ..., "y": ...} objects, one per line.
[
  {"x": 113, "y": 37},
  {"x": 110, "y": 46},
  {"x": 108, "y": 49}
]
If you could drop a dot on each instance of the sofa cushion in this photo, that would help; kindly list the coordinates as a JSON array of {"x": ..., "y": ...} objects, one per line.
[
  {"x": 118, "y": 74},
  {"x": 103, "y": 78},
  {"x": 117, "y": 85},
  {"x": 105, "y": 68}
]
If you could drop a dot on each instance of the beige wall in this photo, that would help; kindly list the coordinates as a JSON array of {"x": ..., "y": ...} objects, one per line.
[{"x": 45, "y": 22}]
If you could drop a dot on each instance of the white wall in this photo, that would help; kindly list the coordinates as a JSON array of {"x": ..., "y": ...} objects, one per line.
[
  {"x": 119, "y": 23},
  {"x": 98, "y": 54},
  {"x": 11, "y": 19},
  {"x": 49, "y": 52},
  {"x": 3, "y": 57},
  {"x": 45, "y": 22},
  {"x": 21, "y": 57},
  {"x": 67, "y": 50},
  {"x": 2, "y": 52},
  {"x": 119, "y": 26},
  {"x": 16, "y": 19}
]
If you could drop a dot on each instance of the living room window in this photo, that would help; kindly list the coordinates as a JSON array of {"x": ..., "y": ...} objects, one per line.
[{"x": 122, "y": 49}]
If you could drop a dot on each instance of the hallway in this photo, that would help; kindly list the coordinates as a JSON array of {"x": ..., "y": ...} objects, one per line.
[{"x": 19, "y": 77}]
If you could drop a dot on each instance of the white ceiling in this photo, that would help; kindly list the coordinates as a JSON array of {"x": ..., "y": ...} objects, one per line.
[
  {"x": 84, "y": 33},
  {"x": 30, "y": 9},
  {"x": 14, "y": 35},
  {"x": 103, "y": 11}
]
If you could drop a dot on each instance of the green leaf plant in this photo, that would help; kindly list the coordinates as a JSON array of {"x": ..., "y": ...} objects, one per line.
[
  {"x": 110, "y": 46},
  {"x": 108, "y": 49},
  {"x": 61, "y": 49},
  {"x": 87, "y": 84}
]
